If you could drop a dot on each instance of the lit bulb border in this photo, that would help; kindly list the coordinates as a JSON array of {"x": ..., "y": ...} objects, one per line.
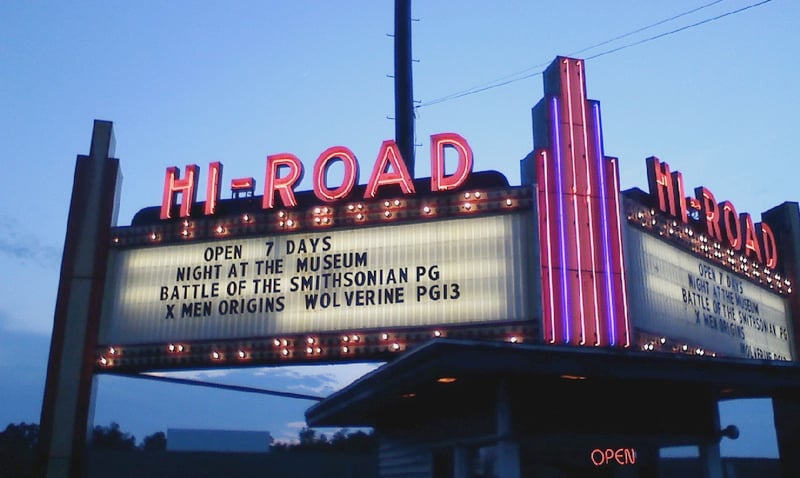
[
  {"x": 690, "y": 240},
  {"x": 351, "y": 214},
  {"x": 327, "y": 347}
]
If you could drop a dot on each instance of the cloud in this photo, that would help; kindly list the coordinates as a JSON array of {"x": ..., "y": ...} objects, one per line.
[
  {"x": 317, "y": 379},
  {"x": 193, "y": 374},
  {"x": 26, "y": 247}
]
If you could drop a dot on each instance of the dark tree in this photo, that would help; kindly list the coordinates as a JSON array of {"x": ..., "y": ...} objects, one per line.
[
  {"x": 155, "y": 442},
  {"x": 341, "y": 441},
  {"x": 17, "y": 448},
  {"x": 112, "y": 438}
]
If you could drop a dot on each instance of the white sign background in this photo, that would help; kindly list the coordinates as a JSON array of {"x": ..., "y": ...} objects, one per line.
[
  {"x": 672, "y": 293},
  {"x": 481, "y": 260}
]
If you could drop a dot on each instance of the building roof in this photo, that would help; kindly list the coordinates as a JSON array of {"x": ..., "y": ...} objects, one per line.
[{"x": 446, "y": 371}]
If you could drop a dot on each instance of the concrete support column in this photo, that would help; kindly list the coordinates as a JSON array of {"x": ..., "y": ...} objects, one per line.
[
  {"x": 461, "y": 462},
  {"x": 786, "y": 413},
  {"x": 710, "y": 458},
  {"x": 508, "y": 465},
  {"x": 67, "y": 407}
]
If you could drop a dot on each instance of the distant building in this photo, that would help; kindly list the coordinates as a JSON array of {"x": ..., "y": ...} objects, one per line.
[{"x": 181, "y": 439}]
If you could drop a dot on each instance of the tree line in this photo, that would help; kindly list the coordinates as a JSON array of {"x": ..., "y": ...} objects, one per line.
[{"x": 18, "y": 444}]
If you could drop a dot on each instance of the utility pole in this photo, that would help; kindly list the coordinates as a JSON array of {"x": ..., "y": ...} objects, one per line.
[{"x": 403, "y": 83}]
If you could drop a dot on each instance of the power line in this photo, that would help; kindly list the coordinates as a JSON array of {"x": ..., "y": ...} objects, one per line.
[
  {"x": 652, "y": 25},
  {"x": 671, "y": 32},
  {"x": 512, "y": 78},
  {"x": 221, "y": 386}
]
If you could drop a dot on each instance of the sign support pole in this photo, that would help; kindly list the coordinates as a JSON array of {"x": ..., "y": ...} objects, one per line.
[{"x": 67, "y": 407}]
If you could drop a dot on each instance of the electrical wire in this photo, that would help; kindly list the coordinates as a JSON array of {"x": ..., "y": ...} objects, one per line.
[{"x": 513, "y": 78}]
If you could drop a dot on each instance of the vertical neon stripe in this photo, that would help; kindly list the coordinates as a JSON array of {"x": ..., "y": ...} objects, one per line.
[
  {"x": 611, "y": 317},
  {"x": 575, "y": 207},
  {"x": 549, "y": 248},
  {"x": 621, "y": 260},
  {"x": 561, "y": 226},
  {"x": 589, "y": 205}
]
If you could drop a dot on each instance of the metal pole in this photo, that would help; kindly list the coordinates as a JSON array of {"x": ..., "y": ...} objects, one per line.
[{"x": 403, "y": 83}]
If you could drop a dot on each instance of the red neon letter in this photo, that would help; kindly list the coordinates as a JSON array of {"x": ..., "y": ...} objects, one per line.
[
  {"x": 173, "y": 185},
  {"x": 440, "y": 182},
  {"x": 213, "y": 187},
  {"x": 347, "y": 158},
  {"x": 730, "y": 221},
  {"x": 284, "y": 185},
  {"x": 389, "y": 155},
  {"x": 680, "y": 196},
  {"x": 769, "y": 246},
  {"x": 660, "y": 181},
  {"x": 750, "y": 238},
  {"x": 630, "y": 456},
  {"x": 708, "y": 208}
]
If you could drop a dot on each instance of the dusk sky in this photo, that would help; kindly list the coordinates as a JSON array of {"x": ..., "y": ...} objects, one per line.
[{"x": 195, "y": 82}]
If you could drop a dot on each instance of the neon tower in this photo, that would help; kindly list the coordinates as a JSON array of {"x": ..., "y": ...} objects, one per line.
[{"x": 580, "y": 232}]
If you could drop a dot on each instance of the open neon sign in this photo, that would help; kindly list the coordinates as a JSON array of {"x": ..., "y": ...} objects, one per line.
[{"x": 284, "y": 171}]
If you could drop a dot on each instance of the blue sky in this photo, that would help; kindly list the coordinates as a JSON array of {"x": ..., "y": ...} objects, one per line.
[{"x": 195, "y": 82}]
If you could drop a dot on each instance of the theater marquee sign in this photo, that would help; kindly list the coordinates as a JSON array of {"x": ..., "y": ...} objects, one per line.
[
  {"x": 436, "y": 273},
  {"x": 342, "y": 272}
]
